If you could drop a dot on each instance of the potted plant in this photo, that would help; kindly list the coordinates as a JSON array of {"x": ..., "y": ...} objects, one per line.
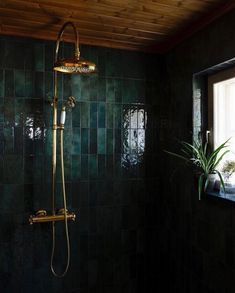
[
  {"x": 204, "y": 161},
  {"x": 228, "y": 171}
]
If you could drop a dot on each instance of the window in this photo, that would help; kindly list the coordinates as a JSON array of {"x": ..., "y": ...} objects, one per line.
[{"x": 221, "y": 110}]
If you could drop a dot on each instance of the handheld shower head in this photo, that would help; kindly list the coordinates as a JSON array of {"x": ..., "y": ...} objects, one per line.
[{"x": 75, "y": 64}]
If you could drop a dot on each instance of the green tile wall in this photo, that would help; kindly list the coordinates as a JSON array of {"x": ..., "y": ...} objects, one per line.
[{"x": 105, "y": 162}]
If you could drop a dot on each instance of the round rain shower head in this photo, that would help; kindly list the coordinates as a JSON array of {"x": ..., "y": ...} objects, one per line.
[{"x": 75, "y": 65}]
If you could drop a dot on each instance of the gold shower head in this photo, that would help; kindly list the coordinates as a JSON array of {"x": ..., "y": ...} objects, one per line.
[{"x": 72, "y": 65}]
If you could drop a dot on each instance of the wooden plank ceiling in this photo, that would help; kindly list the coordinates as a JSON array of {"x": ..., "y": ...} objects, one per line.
[{"x": 127, "y": 24}]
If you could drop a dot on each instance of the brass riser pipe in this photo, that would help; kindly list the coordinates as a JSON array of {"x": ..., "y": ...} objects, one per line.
[{"x": 51, "y": 218}]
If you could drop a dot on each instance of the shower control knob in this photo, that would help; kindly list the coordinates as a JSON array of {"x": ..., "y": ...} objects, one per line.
[
  {"x": 62, "y": 211},
  {"x": 41, "y": 213}
]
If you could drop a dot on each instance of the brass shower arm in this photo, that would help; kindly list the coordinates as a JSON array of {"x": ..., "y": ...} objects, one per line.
[{"x": 77, "y": 52}]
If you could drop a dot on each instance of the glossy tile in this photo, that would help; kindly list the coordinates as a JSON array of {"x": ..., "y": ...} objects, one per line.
[
  {"x": 2, "y": 83},
  {"x": 101, "y": 115},
  {"x": 93, "y": 115},
  {"x": 101, "y": 141},
  {"x": 9, "y": 83},
  {"x": 84, "y": 140}
]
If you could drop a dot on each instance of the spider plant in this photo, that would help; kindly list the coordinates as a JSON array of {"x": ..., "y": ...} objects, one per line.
[{"x": 205, "y": 162}]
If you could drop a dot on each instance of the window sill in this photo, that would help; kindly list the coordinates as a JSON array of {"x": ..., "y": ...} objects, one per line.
[{"x": 227, "y": 197}]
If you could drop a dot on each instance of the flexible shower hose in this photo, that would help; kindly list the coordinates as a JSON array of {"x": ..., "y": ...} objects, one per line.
[{"x": 65, "y": 212}]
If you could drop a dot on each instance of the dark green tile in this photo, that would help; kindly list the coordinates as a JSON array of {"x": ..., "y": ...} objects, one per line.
[
  {"x": 133, "y": 65},
  {"x": 76, "y": 115},
  {"x": 94, "y": 87},
  {"x": 118, "y": 90},
  {"x": 67, "y": 86},
  {"x": 9, "y": 111},
  {"x": 93, "y": 191},
  {"x": 101, "y": 63},
  {"x": 84, "y": 166},
  {"x": 110, "y": 141},
  {"x": 29, "y": 197},
  {"x": 39, "y": 85},
  {"x": 93, "y": 115},
  {"x": 114, "y": 63},
  {"x": 48, "y": 141},
  {"x": 19, "y": 111},
  {"x": 29, "y": 56},
  {"x": 59, "y": 86},
  {"x": 1, "y": 170},
  {"x": 13, "y": 169},
  {"x": 109, "y": 165},
  {"x": 2, "y": 53},
  {"x": 101, "y": 166},
  {"x": 76, "y": 167},
  {"x": 68, "y": 140},
  {"x": 49, "y": 56},
  {"x": 84, "y": 115},
  {"x": 48, "y": 86},
  {"x": 29, "y": 83},
  {"x": 2, "y": 143},
  {"x": 67, "y": 167},
  {"x": 84, "y": 140},
  {"x": 76, "y": 87},
  {"x": 14, "y": 54},
  {"x": 9, "y": 83},
  {"x": 101, "y": 115},
  {"x": 18, "y": 140},
  {"x": 101, "y": 141},
  {"x": 76, "y": 143},
  {"x": 2, "y": 83},
  {"x": 134, "y": 91},
  {"x": 118, "y": 165},
  {"x": 85, "y": 88},
  {"x": 102, "y": 89},
  {"x": 117, "y": 141},
  {"x": 110, "y": 90},
  {"x": 8, "y": 136},
  {"x": 92, "y": 159},
  {"x": 109, "y": 115},
  {"x": 12, "y": 199},
  {"x": 19, "y": 83},
  {"x": 117, "y": 112},
  {"x": 1, "y": 110},
  {"x": 39, "y": 53},
  {"x": 28, "y": 169},
  {"x": 93, "y": 141},
  {"x": 42, "y": 169}
]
